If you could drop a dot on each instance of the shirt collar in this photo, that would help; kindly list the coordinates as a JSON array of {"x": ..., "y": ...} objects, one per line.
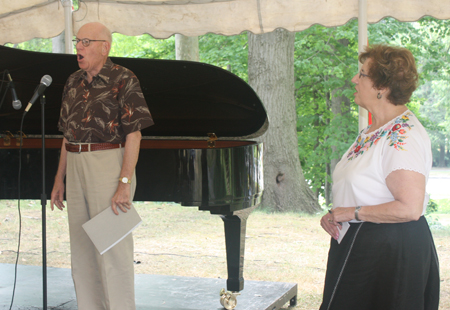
[{"x": 104, "y": 73}]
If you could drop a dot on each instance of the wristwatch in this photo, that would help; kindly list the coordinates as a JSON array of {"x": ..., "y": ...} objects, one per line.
[
  {"x": 125, "y": 180},
  {"x": 356, "y": 213}
]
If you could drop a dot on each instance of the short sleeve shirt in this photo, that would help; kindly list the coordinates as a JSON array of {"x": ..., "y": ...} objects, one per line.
[
  {"x": 105, "y": 110},
  {"x": 360, "y": 176}
]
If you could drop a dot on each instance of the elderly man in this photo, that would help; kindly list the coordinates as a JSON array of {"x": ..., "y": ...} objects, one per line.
[{"x": 103, "y": 110}]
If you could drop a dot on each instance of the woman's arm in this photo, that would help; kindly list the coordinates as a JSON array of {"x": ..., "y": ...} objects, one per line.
[{"x": 408, "y": 189}]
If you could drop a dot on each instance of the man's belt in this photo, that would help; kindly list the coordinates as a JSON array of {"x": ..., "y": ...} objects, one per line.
[{"x": 90, "y": 147}]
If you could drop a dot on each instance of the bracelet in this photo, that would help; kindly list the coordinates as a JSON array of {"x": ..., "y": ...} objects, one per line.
[{"x": 356, "y": 213}]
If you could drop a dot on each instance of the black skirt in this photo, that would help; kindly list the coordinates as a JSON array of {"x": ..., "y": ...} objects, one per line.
[{"x": 383, "y": 267}]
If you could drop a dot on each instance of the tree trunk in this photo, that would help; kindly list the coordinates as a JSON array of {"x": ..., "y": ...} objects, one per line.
[
  {"x": 271, "y": 74},
  {"x": 186, "y": 48}
]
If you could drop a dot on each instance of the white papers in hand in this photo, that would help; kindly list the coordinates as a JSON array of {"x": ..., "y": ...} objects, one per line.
[
  {"x": 107, "y": 229},
  {"x": 343, "y": 231}
]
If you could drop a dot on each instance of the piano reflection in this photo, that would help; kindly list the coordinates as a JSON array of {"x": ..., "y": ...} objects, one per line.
[{"x": 198, "y": 153}]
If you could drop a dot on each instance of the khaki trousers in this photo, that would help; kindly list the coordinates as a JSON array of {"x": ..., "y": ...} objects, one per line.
[{"x": 102, "y": 282}]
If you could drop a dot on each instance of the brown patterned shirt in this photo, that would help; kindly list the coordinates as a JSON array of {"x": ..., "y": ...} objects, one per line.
[{"x": 106, "y": 110}]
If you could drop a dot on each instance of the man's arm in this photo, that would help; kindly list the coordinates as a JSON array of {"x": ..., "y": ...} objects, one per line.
[
  {"x": 57, "y": 196},
  {"x": 122, "y": 197}
]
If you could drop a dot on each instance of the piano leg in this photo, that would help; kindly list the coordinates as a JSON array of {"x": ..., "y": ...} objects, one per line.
[{"x": 235, "y": 228}]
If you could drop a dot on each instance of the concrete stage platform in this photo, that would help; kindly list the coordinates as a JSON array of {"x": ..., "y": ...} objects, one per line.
[{"x": 153, "y": 292}]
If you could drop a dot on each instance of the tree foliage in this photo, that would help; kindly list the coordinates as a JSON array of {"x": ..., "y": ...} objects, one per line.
[
  {"x": 432, "y": 50},
  {"x": 230, "y": 53},
  {"x": 36, "y": 44},
  {"x": 143, "y": 46},
  {"x": 325, "y": 59}
]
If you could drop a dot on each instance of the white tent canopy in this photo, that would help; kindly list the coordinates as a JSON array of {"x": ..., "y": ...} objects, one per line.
[{"x": 22, "y": 20}]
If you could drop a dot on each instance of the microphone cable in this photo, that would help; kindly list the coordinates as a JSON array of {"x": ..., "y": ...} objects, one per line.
[
  {"x": 1, "y": 87},
  {"x": 20, "y": 215}
]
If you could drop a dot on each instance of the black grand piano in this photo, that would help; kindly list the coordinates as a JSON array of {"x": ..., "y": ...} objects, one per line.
[{"x": 198, "y": 153}]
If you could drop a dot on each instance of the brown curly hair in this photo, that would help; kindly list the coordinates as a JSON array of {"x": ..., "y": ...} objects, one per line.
[{"x": 393, "y": 68}]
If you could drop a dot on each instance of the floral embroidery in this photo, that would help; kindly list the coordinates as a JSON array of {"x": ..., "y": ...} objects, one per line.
[{"x": 394, "y": 131}]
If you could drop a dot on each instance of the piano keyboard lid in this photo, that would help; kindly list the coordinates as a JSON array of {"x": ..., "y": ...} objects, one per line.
[{"x": 186, "y": 99}]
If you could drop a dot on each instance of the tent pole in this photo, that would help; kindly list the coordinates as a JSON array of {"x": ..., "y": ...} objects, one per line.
[
  {"x": 363, "y": 119},
  {"x": 68, "y": 33}
]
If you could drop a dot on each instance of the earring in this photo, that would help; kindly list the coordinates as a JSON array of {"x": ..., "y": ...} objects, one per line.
[{"x": 379, "y": 96}]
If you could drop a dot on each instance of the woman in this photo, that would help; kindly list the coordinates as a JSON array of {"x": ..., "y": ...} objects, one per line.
[{"x": 387, "y": 258}]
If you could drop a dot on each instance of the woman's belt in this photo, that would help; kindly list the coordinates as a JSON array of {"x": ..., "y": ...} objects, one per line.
[{"x": 90, "y": 147}]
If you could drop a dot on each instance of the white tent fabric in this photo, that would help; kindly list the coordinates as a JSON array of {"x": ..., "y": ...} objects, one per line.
[
  {"x": 21, "y": 20},
  {"x": 234, "y": 16}
]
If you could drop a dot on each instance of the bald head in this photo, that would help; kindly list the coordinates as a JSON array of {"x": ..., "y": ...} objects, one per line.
[{"x": 96, "y": 31}]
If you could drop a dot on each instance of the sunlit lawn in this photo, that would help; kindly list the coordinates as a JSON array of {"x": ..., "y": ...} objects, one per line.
[{"x": 175, "y": 240}]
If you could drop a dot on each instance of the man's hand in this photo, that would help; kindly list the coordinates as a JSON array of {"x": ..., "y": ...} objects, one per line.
[
  {"x": 121, "y": 198},
  {"x": 57, "y": 196}
]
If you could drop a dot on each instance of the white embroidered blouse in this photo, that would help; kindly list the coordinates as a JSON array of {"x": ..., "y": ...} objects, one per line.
[{"x": 359, "y": 178}]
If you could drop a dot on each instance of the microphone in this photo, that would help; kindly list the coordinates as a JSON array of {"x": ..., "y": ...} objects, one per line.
[
  {"x": 45, "y": 82},
  {"x": 16, "y": 102}
]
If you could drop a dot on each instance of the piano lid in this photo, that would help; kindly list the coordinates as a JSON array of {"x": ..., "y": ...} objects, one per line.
[{"x": 185, "y": 98}]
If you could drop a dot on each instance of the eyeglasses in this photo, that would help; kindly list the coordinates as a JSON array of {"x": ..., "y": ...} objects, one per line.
[
  {"x": 363, "y": 75},
  {"x": 86, "y": 41}
]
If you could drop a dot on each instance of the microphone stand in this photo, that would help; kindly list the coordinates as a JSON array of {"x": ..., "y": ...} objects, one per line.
[
  {"x": 4, "y": 94},
  {"x": 44, "y": 207}
]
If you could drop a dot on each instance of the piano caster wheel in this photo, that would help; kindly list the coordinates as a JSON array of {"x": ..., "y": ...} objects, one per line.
[{"x": 228, "y": 299}]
